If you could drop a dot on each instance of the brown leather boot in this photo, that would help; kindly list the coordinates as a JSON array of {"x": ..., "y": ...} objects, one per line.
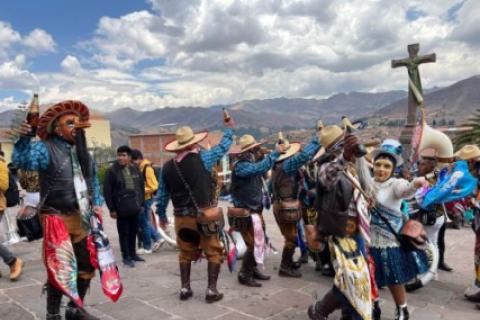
[
  {"x": 186, "y": 291},
  {"x": 286, "y": 266},
  {"x": 212, "y": 294},
  {"x": 16, "y": 269},
  {"x": 245, "y": 275}
]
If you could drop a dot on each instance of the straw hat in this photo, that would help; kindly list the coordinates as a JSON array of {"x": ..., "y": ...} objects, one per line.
[
  {"x": 392, "y": 148},
  {"x": 330, "y": 135},
  {"x": 247, "y": 142},
  {"x": 468, "y": 152},
  {"x": 184, "y": 137},
  {"x": 59, "y": 109},
  {"x": 291, "y": 149}
]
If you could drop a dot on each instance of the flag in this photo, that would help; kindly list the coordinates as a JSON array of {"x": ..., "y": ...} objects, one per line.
[
  {"x": 109, "y": 275},
  {"x": 59, "y": 258}
]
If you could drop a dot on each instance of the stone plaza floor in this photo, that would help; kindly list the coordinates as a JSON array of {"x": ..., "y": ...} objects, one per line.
[{"x": 151, "y": 288}]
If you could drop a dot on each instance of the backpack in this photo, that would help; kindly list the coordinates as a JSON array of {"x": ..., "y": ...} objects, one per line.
[
  {"x": 156, "y": 170},
  {"x": 12, "y": 194}
]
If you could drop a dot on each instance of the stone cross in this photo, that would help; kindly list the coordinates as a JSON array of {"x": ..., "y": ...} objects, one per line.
[{"x": 412, "y": 63}]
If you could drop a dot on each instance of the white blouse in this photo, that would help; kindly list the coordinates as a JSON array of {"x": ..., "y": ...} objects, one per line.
[{"x": 390, "y": 194}]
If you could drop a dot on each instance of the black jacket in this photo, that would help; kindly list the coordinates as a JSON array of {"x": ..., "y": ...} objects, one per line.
[{"x": 114, "y": 185}]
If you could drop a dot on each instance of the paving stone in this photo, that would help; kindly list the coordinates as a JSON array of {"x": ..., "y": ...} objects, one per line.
[
  {"x": 151, "y": 288},
  {"x": 132, "y": 309},
  {"x": 261, "y": 307},
  {"x": 293, "y": 299},
  {"x": 14, "y": 311},
  {"x": 30, "y": 297},
  {"x": 235, "y": 316},
  {"x": 194, "y": 308},
  {"x": 4, "y": 299}
]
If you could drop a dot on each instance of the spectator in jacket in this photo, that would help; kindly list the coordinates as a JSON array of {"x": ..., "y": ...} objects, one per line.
[
  {"x": 124, "y": 192},
  {"x": 147, "y": 230},
  {"x": 15, "y": 264}
]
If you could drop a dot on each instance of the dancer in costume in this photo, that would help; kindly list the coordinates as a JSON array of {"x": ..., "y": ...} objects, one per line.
[
  {"x": 394, "y": 266},
  {"x": 471, "y": 154},
  {"x": 68, "y": 187},
  {"x": 433, "y": 218},
  {"x": 343, "y": 219},
  {"x": 286, "y": 205},
  {"x": 246, "y": 216},
  {"x": 309, "y": 216},
  {"x": 188, "y": 181}
]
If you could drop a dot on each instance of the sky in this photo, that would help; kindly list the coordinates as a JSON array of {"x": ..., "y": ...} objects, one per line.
[{"x": 150, "y": 54}]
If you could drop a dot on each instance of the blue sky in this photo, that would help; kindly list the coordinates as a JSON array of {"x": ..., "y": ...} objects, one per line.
[
  {"x": 158, "y": 53},
  {"x": 69, "y": 22}
]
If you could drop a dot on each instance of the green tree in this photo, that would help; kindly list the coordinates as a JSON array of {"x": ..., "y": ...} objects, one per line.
[
  {"x": 103, "y": 154},
  {"x": 471, "y": 136}
]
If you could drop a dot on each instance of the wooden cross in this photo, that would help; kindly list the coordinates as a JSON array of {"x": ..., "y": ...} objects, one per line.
[{"x": 412, "y": 63}]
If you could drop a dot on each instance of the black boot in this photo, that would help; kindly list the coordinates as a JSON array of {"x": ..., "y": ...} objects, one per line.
[
  {"x": 257, "y": 274},
  {"x": 212, "y": 294},
  {"x": 245, "y": 275},
  {"x": 54, "y": 300},
  {"x": 186, "y": 291},
  {"x": 323, "y": 308},
  {"x": 73, "y": 312},
  {"x": 328, "y": 271},
  {"x": 445, "y": 267},
  {"x": 412, "y": 286},
  {"x": 376, "y": 311},
  {"x": 346, "y": 314},
  {"x": 303, "y": 258},
  {"x": 402, "y": 313},
  {"x": 286, "y": 266}
]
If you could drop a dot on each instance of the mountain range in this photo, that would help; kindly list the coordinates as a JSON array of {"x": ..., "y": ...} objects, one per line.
[{"x": 455, "y": 102}]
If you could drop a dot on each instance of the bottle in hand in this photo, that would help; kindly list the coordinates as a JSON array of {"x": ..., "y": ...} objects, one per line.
[
  {"x": 281, "y": 140},
  {"x": 33, "y": 115},
  {"x": 226, "y": 115},
  {"x": 350, "y": 129}
]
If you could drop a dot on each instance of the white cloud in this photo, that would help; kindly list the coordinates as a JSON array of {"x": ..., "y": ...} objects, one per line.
[
  {"x": 14, "y": 76},
  {"x": 40, "y": 41},
  {"x": 203, "y": 52},
  {"x": 8, "y": 37},
  {"x": 70, "y": 64}
]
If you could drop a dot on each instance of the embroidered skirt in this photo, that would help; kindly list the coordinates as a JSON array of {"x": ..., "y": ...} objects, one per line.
[{"x": 394, "y": 265}]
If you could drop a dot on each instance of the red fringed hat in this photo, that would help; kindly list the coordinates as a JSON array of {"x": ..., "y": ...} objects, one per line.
[{"x": 59, "y": 109}]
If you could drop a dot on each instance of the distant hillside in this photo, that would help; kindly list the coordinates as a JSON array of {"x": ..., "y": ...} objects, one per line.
[
  {"x": 453, "y": 102},
  {"x": 456, "y": 102},
  {"x": 269, "y": 113}
]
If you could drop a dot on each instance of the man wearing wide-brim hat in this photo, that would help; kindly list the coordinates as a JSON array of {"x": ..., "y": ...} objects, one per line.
[
  {"x": 286, "y": 178},
  {"x": 188, "y": 180},
  {"x": 68, "y": 186},
  {"x": 471, "y": 154},
  {"x": 246, "y": 189},
  {"x": 340, "y": 221}
]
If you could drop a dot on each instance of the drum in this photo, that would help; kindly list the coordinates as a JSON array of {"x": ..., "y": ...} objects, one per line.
[{"x": 28, "y": 223}]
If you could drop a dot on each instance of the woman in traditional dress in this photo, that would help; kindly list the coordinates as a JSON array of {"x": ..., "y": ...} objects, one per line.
[{"x": 394, "y": 266}]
